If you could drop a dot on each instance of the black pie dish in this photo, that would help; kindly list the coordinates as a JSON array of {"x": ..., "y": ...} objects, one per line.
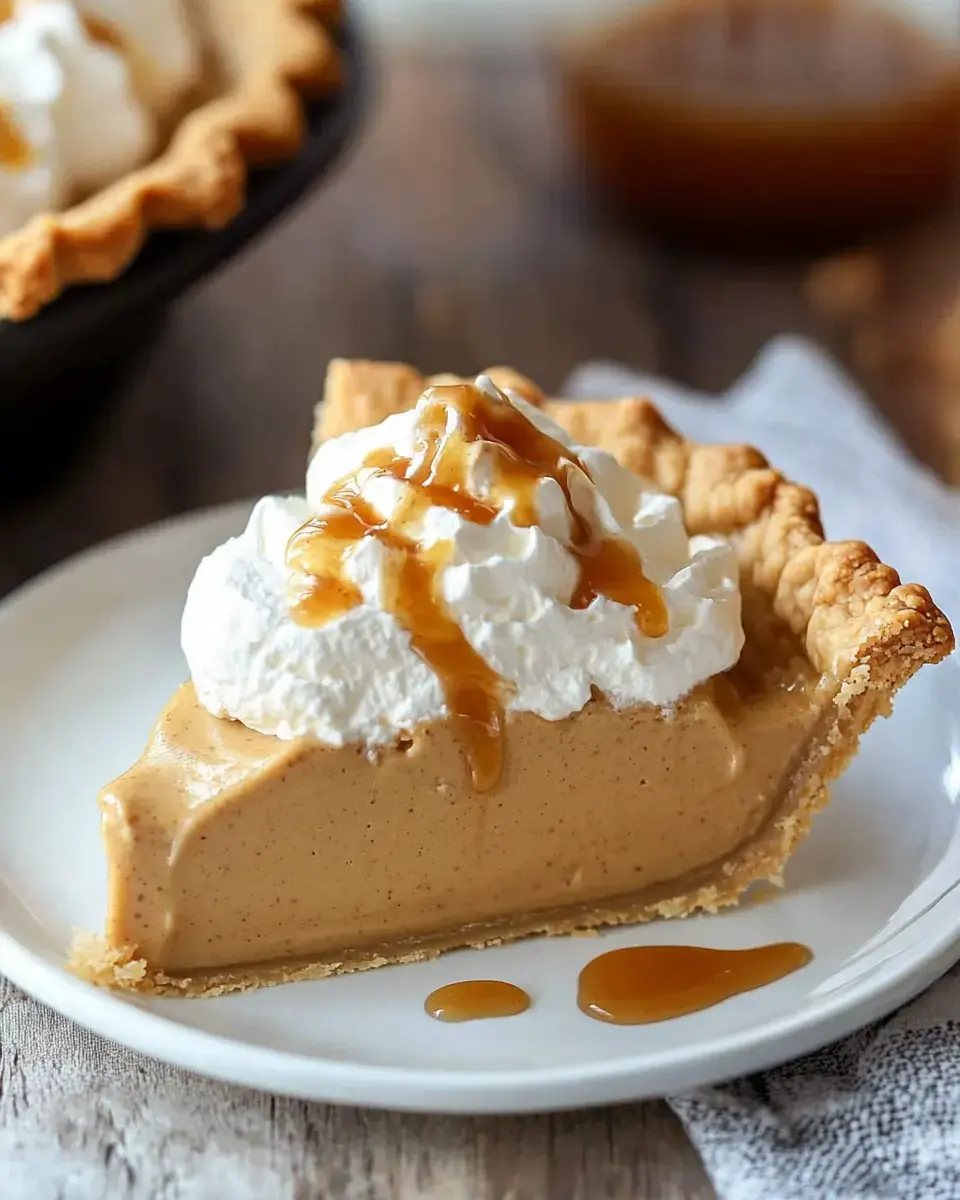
[{"x": 61, "y": 370}]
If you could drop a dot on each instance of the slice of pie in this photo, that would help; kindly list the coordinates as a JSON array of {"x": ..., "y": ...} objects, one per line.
[
  {"x": 448, "y": 758},
  {"x": 118, "y": 117}
]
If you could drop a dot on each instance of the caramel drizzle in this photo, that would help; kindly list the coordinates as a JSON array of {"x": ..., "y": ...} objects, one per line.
[
  {"x": 101, "y": 31},
  {"x": 16, "y": 153},
  {"x": 454, "y": 419}
]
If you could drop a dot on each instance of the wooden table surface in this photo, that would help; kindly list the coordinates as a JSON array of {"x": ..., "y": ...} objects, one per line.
[{"x": 454, "y": 238}]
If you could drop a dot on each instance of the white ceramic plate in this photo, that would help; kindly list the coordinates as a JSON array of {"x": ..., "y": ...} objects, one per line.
[{"x": 89, "y": 654}]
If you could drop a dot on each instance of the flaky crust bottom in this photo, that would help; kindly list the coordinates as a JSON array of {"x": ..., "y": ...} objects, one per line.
[{"x": 271, "y": 54}]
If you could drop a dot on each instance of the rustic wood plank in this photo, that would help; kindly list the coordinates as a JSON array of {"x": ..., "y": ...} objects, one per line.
[{"x": 83, "y": 1119}]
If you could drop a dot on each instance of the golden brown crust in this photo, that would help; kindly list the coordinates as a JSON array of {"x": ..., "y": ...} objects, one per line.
[
  {"x": 270, "y": 53},
  {"x": 358, "y": 393},
  {"x": 848, "y": 607}
]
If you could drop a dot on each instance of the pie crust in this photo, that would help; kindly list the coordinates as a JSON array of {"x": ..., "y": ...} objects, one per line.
[
  {"x": 266, "y": 56},
  {"x": 863, "y": 635}
]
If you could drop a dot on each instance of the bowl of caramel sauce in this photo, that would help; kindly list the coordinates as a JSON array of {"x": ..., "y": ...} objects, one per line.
[{"x": 757, "y": 120}]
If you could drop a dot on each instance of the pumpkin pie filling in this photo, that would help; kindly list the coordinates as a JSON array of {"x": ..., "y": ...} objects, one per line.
[{"x": 237, "y": 858}]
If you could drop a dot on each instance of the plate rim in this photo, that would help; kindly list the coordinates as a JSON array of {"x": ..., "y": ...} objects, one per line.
[{"x": 631, "y": 1076}]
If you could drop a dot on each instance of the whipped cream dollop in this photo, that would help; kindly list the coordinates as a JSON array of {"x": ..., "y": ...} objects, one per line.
[
  {"x": 81, "y": 88},
  {"x": 358, "y": 679}
]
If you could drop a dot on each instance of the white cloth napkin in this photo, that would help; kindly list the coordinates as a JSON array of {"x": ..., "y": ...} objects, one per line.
[{"x": 877, "y": 1116}]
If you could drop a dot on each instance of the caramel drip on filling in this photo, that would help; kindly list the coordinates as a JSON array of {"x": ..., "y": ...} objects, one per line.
[{"x": 453, "y": 420}]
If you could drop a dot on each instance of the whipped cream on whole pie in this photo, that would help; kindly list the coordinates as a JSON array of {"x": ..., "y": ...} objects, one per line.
[
  {"x": 81, "y": 87},
  {"x": 510, "y": 582}
]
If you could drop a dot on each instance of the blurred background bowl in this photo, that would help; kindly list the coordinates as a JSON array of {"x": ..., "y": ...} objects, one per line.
[{"x": 60, "y": 371}]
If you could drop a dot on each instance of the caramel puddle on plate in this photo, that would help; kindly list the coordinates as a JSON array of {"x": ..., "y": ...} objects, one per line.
[
  {"x": 475, "y": 1000},
  {"x": 639, "y": 985}
]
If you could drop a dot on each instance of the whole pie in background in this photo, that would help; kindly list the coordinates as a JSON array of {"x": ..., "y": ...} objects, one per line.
[{"x": 121, "y": 116}]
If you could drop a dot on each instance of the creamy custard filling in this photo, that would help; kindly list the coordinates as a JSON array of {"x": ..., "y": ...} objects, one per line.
[
  {"x": 230, "y": 851},
  {"x": 219, "y": 856}
]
